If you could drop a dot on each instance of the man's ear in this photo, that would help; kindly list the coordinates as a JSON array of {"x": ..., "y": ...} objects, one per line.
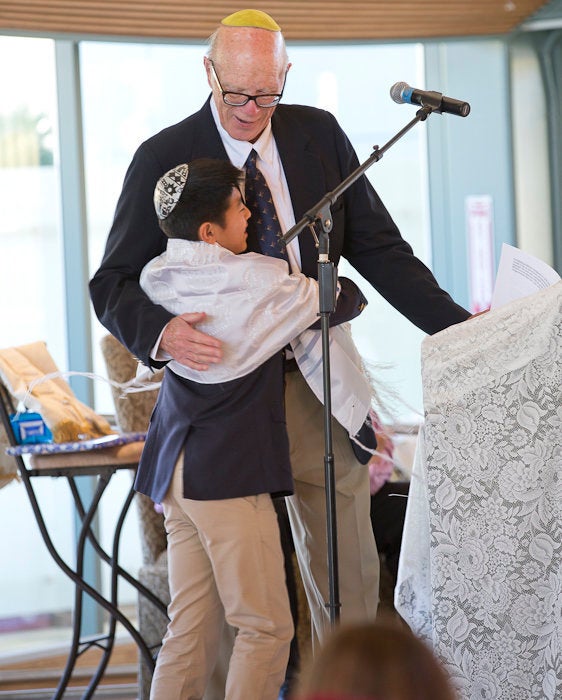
[
  {"x": 207, "y": 65},
  {"x": 206, "y": 233}
]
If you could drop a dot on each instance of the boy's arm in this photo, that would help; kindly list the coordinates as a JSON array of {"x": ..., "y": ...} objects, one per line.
[{"x": 350, "y": 303}]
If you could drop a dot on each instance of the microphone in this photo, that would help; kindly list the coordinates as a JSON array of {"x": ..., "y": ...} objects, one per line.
[{"x": 402, "y": 93}]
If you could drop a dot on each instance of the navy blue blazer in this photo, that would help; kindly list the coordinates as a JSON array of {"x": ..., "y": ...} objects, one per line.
[
  {"x": 233, "y": 435},
  {"x": 316, "y": 156}
]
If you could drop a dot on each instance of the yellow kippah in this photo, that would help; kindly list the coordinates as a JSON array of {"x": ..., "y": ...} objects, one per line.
[{"x": 251, "y": 18}]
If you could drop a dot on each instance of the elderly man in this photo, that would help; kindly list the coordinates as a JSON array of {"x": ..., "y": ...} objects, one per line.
[{"x": 302, "y": 153}]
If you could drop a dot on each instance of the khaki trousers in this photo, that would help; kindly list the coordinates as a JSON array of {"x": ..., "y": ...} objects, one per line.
[
  {"x": 223, "y": 554},
  {"x": 357, "y": 552}
]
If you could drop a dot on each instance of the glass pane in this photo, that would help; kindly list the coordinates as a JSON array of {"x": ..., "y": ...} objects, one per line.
[
  {"x": 31, "y": 260},
  {"x": 147, "y": 87},
  {"x": 31, "y": 289},
  {"x": 353, "y": 82}
]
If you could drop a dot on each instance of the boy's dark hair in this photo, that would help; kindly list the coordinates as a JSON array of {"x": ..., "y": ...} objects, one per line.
[{"x": 205, "y": 197}]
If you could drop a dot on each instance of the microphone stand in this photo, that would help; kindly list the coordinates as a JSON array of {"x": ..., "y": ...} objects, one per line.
[{"x": 327, "y": 275}]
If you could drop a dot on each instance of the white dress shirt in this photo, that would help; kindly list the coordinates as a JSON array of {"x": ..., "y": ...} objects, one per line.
[{"x": 269, "y": 163}]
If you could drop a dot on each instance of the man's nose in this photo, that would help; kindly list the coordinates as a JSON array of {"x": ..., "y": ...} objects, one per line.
[{"x": 251, "y": 108}]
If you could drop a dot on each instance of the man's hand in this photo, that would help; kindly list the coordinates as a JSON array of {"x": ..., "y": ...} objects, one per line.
[
  {"x": 477, "y": 314},
  {"x": 189, "y": 346}
]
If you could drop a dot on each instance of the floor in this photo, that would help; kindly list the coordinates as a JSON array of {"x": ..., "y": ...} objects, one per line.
[{"x": 31, "y": 664}]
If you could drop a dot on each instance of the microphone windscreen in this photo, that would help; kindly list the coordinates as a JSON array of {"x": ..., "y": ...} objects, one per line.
[{"x": 396, "y": 92}]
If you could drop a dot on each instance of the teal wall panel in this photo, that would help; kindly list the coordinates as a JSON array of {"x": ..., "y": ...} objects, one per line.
[{"x": 468, "y": 156}]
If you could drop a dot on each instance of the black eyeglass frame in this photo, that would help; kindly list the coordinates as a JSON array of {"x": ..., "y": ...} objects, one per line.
[{"x": 273, "y": 103}]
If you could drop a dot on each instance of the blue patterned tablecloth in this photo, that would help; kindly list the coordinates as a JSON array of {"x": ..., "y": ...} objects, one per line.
[{"x": 46, "y": 448}]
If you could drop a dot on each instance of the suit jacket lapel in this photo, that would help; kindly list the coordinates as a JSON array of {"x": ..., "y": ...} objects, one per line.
[
  {"x": 207, "y": 142},
  {"x": 304, "y": 175}
]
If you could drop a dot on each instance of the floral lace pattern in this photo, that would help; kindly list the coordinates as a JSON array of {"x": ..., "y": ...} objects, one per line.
[{"x": 485, "y": 588}]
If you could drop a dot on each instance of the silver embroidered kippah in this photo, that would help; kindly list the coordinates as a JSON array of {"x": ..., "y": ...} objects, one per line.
[{"x": 168, "y": 190}]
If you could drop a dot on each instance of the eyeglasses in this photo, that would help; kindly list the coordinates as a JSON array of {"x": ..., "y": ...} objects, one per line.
[{"x": 239, "y": 99}]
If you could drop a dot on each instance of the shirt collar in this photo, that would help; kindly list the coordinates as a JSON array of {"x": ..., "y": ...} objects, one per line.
[{"x": 238, "y": 151}]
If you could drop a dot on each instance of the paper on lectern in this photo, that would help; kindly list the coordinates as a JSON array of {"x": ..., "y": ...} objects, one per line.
[{"x": 520, "y": 275}]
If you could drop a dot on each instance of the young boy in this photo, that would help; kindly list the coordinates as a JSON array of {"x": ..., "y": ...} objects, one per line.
[
  {"x": 228, "y": 442},
  {"x": 225, "y": 431}
]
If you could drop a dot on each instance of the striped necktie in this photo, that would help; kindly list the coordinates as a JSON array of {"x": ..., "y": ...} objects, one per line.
[{"x": 263, "y": 221}]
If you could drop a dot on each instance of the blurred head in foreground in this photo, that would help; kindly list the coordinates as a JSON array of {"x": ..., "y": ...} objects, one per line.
[{"x": 375, "y": 661}]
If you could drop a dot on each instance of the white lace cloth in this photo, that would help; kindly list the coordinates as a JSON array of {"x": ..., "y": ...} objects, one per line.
[{"x": 480, "y": 574}]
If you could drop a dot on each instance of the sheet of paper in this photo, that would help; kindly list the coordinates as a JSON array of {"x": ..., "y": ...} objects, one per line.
[{"x": 519, "y": 275}]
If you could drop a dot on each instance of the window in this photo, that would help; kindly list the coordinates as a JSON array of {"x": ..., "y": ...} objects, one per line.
[
  {"x": 353, "y": 82},
  {"x": 32, "y": 292},
  {"x": 130, "y": 91},
  {"x": 31, "y": 270}
]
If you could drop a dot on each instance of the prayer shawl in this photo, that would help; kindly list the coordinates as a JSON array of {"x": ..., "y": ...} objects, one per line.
[{"x": 256, "y": 308}]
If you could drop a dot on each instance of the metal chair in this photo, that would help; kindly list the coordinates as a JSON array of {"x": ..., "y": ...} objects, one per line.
[{"x": 99, "y": 459}]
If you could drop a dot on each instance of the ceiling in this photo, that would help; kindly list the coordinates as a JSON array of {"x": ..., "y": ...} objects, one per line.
[{"x": 321, "y": 20}]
